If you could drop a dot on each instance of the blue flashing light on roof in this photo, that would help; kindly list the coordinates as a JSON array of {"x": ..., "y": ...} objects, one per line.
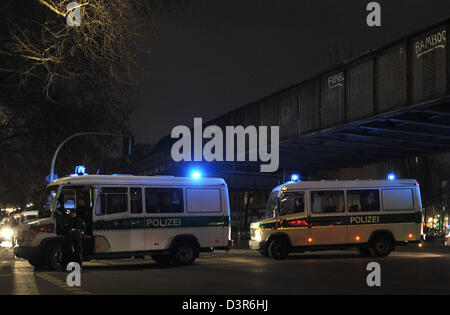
[
  {"x": 392, "y": 176},
  {"x": 80, "y": 170},
  {"x": 295, "y": 178},
  {"x": 196, "y": 175}
]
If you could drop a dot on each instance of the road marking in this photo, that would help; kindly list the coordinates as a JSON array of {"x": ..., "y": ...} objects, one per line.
[
  {"x": 251, "y": 261},
  {"x": 23, "y": 282},
  {"x": 62, "y": 284},
  {"x": 416, "y": 255}
]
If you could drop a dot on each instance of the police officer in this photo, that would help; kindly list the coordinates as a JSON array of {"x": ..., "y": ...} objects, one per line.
[
  {"x": 85, "y": 213},
  {"x": 73, "y": 230}
]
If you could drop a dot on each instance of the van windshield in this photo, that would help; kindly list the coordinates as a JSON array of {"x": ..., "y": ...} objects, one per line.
[
  {"x": 47, "y": 205},
  {"x": 272, "y": 205}
]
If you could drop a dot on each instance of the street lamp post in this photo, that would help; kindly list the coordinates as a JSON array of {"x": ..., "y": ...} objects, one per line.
[{"x": 52, "y": 166}]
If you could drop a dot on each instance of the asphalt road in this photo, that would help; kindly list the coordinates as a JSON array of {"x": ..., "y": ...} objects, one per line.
[{"x": 242, "y": 272}]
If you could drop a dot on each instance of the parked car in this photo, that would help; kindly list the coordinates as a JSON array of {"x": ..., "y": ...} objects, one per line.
[
  {"x": 27, "y": 216},
  {"x": 6, "y": 232}
]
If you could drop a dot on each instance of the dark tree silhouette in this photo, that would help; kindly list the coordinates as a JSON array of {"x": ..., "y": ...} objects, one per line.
[{"x": 57, "y": 80}]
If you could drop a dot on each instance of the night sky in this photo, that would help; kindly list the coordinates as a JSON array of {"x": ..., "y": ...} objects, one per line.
[{"x": 214, "y": 56}]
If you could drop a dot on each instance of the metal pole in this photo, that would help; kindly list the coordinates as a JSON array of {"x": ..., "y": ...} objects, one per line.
[{"x": 52, "y": 166}]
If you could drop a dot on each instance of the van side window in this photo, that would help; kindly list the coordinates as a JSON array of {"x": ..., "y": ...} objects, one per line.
[
  {"x": 327, "y": 201},
  {"x": 164, "y": 200},
  {"x": 69, "y": 197},
  {"x": 136, "y": 200},
  {"x": 114, "y": 200},
  {"x": 363, "y": 200},
  {"x": 203, "y": 200},
  {"x": 397, "y": 199},
  {"x": 292, "y": 203}
]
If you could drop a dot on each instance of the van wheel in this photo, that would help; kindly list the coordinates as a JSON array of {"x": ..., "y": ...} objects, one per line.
[
  {"x": 381, "y": 246},
  {"x": 55, "y": 256},
  {"x": 184, "y": 253},
  {"x": 37, "y": 262},
  {"x": 278, "y": 249}
]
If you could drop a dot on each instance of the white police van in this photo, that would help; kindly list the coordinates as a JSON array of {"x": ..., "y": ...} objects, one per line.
[
  {"x": 171, "y": 219},
  {"x": 371, "y": 215}
]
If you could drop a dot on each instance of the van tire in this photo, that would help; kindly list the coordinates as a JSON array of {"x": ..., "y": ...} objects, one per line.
[
  {"x": 54, "y": 256},
  {"x": 381, "y": 246},
  {"x": 278, "y": 248},
  {"x": 184, "y": 253}
]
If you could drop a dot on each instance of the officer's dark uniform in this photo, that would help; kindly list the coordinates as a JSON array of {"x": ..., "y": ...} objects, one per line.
[
  {"x": 85, "y": 213},
  {"x": 72, "y": 231}
]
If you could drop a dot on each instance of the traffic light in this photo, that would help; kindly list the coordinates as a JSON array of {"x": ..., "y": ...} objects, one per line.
[{"x": 128, "y": 144}]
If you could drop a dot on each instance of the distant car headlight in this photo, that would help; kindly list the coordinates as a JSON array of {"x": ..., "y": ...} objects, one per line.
[{"x": 7, "y": 233}]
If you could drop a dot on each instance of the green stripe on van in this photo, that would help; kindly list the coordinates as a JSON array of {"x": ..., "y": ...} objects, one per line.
[
  {"x": 161, "y": 223},
  {"x": 349, "y": 219}
]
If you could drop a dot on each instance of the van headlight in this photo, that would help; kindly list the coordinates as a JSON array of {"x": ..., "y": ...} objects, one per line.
[
  {"x": 257, "y": 233},
  {"x": 7, "y": 233}
]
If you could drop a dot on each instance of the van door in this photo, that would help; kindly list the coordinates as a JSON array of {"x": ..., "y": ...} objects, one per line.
[
  {"x": 327, "y": 218},
  {"x": 164, "y": 207},
  {"x": 226, "y": 235},
  {"x": 111, "y": 220},
  {"x": 292, "y": 216},
  {"x": 137, "y": 219},
  {"x": 362, "y": 204},
  {"x": 205, "y": 209}
]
